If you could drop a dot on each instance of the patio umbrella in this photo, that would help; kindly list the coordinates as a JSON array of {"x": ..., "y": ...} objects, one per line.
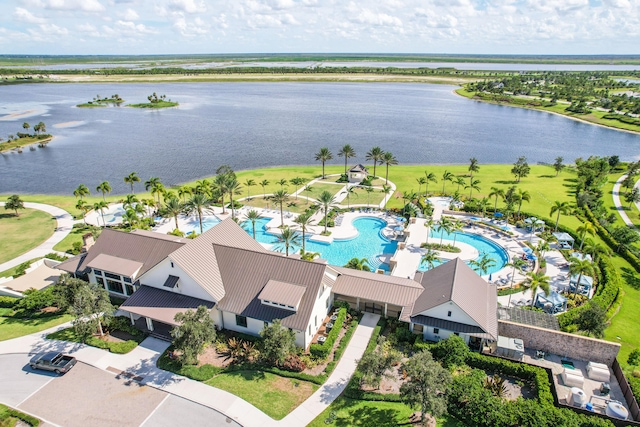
[
  {"x": 498, "y": 214},
  {"x": 402, "y": 219},
  {"x": 490, "y": 276},
  {"x": 530, "y": 220},
  {"x": 474, "y": 218},
  {"x": 505, "y": 228},
  {"x": 398, "y": 228},
  {"x": 532, "y": 257},
  {"x": 527, "y": 250}
]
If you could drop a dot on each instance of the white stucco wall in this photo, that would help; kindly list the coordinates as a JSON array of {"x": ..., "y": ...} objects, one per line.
[
  {"x": 186, "y": 286},
  {"x": 318, "y": 313},
  {"x": 254, "y": 326},
  {"x": 457, "y": 314}
]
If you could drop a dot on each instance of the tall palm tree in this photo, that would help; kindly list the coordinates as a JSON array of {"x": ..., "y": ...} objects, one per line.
[
  {"x": 84, "y": 208},
  {"x": 202, "y": 187},
  {"x": 483, "y": 264},
  {"x": 483, "y": 204},
  {"x": 100, "y": 207},
  {"x": 517, "y": 263},
  {"x": 130, "y": 201},
  {"x": 421, "y": 181},
  {"x": 253, "y": 216},
  {"x": 474, "y": 184},
  {"x": 429, "y": 223},
  {"x": 304, "y": 222},
  {"x": 559, "y": 207},
  {"x": 583, "y": 230},
  {"x": 288, "y": 237},
  {"x": 444, "y": 226},
  {"x": 155, "y": 187},
  {"x": 455, "y": 227},
  {"x": 131, "y": 179},
  {"x": 473, "y": 167},
  {"x": 264, "y": 184},
  {"x": 350, "y": 190},
  {"x": 185, "y": 191},
  {"x": 282, "y": 182},
  {"x": 459, "y": 181},
  {"x": 221, "y": 184},
  {"x": 326, "y": 201},
  {"x": 130, "y": 217},
  {"x": 537, "y": 281},
  {"x": 430, "y": 177},
  {"x": 297, "y": 181},
  {"x": 172, "y": 209},
  {"x": 198, "y": 204},
  {"x": 249, "y": 183},
  {"x": 596, "y": 249},
  {"x": 81, "y": 191},
  {"x": 446, "y": 176},
  {"x": 430, "y": 258},
  {"x": 388, "y": 159},
  {"x": 523, "y": 196},
  {"x": 104, "y": 188},
  {"x": 307, "y": 189},
  {"x": 580, "y": 267},
  {"x": 358, "y": 264},
  {"x": 496, "y": 192},
  {"x": 233, "y": 187},
  {"x": 347, "y": 151},
  {"x": 280, "y": 197},
  {"x": 324, "y": 155},
  {"x": 375, "y": 154},
  {"x": 369, "y": 190}
]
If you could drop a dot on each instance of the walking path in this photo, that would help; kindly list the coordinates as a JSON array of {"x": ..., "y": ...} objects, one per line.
[
  {"x": 616, "y": 200},
  {"x": 141, "y": 362},
  {"x": 65, "y": 224}
]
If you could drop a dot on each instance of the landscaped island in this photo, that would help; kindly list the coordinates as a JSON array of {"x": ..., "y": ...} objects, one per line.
[
  {"x": 102, "y": 102},
  {"x": 23, "y": 139},
  {"x": 155, "y": 101}
]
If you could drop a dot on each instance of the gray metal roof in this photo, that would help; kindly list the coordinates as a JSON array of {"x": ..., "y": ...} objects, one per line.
[
  {"x": 245, "y": 273},
  {"x": 142, "y": 248},
  {"x": 117, "y": 265},
  {"x": 455, "y": 281},
  {"x": 282, "y": 293},
  {"x": 72, "y": 264},
  {"x": 161, "y": 305},
  {"x": 528, "y": 317},
  {"x": 155, "y": 235},
  {"x": 198, "y": 259}
]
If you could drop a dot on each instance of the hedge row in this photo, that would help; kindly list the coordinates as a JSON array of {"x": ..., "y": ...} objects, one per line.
[
  {"x": 341, "y": 348},
  {"x": 32, "y": 421},
  {"x": 8, "y": 302},
  {"x": 321, "y": 351}
]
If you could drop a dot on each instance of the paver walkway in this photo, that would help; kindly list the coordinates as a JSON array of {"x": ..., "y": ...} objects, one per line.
[
  {"x": 616, "y": 201},
  {"x": 65, "y": 224},
  {"x": 142, "y": 363}
]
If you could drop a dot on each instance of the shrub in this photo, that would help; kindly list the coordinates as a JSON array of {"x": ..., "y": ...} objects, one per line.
[
  {"x": 450, "y": 352},
  {"x": 36, "y": 299},
  {"x": 634, "y": 357},
  {"x": 8, "y": 302},
  {"x": 54, "y": 256},
  {"x": 321, "y": 351},
  {"x": 293, "y": 363},
  {"x": 403, "y": 334}
]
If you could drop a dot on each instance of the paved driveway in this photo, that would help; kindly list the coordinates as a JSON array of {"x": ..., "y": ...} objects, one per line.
[
  {"x": 176, "y": 411},
  {"x": 18, "y": 381}
]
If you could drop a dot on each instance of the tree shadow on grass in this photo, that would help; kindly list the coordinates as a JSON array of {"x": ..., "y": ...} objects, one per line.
[
  {"x": 248, "y": 375},
  {"x": 8, "y": 215},
  {"x": 631, "y": 277},
  {"x": 546, "y": 176},
  {"x": 507, "y": 182}
]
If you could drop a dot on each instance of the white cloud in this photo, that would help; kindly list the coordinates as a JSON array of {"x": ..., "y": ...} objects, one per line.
[
  {"x": 130, "y": 15},
  {"x": 24, "y": 15},
  {"x": 188, "y": 6},
  {"x": 74, "y": 5}
]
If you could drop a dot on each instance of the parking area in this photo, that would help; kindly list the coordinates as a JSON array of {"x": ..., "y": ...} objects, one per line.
[
  {"x": 176, "y": 411},
  {"x": 19, "y": 381}
]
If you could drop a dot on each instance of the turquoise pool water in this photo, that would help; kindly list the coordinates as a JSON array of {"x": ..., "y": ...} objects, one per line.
[
  {"x": 483, "y": 245},
  {"x": 368, "y": 244},
  {"x": 188, "y": 227}
]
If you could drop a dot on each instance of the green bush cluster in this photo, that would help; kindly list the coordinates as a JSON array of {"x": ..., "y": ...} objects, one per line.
[
  {"x": 6, "y": 412},
  {"x": 341, "y": 347},
  {"x": 8, "y": 302},
  {"x": 321, "y": 351},
  {"x": 613, "y": 244},
  {"x": 54, "y": 256},
  {"x": 622, "y": 118}
]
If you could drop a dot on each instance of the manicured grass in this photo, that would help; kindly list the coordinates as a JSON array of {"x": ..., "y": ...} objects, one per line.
[
  {"x": 274, "y": 395},
  {"x": 91, "y": 105},
  {"x": 9, "y": 417},
  {"x": 155, "y": 105},
  {"x": 11, "y": 327},
  {"x": 362, "y": 197},
  {"x": 12, "y": 271},
  {"x": 23, "y": 142},
  {"x": 23, "y": 233},
  {"x": 121, "y": 347},
  {"x": 364, "y": 413}
]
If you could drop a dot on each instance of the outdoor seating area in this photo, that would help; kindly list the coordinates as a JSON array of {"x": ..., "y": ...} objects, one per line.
[{"x": 327, "y": 325}]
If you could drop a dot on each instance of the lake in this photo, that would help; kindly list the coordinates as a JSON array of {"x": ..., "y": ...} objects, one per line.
[{"x": 250, "y": 125}]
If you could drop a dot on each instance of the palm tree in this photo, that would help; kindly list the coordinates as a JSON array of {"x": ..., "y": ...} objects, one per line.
[
  {"x": 375, "y": 154},
  {"x": 347, "y": 151},
  {"x": 280, "y": 197},
  {"x": 100, "y": 207},
  {"x": 130, "y": 217},
  {"x": 369, "y": 190},
  {"x": 202, "y": 187},
  {"x": 518, "y": 263},
  {"x": 407, "y": 196},
  {"x": 446, "y": 176},
  {"x": 542, "y": 248},
  {"x": 84, "y": 208},
  {"x": 130, "y": 201},
  {"x": 595, "y": 250},
  {"x": 326, "y": 201},
  {"x": 358, "y": 264},
  {"x": 473, "y": 167},
  {"x": 309, "y": 256},
  {"x": 350, "y": 190},
  {"x": 297, "y": 181},
  {"x": 172, "y": 209},
  {"x": 496, "y": 192},
  {"x": 523, "y": 196},
  {"x": 583, "y": 230},
  {"x": 249, "y": 183},
  {"x": 483, "y": 204},
  {"x": 233, "y": 187},
  {"x": 155, "y": 187},
  {"x": 304, "y": 222},
  {"x": 483, "y": 264},
  {"x": 429, "y": 223},
  {"x": 220, "y": 182},
  {"x": 131, "y": 179},
  {"x": 264, "y": 184},
  {"x": 253, "y": 216},
  {"x": 421, "y": 181},
  {"x": 288, "y": 237},
  {"x": 537, "y": 281},
  {"x": 185, "y": 191},
  {"x": 559, "y": 207},
  {"x": 430, "y": 176},
  {"x": 455, "y": 227},
  {"x": 307, "y": 189},
  {"x": 430, "y": 258},
  {"x": 282, "y": 182},
  {"x": 81, "y": 191},
  {"x": 197, "y": 204},
  {"x": 580, "y": 267},
  {"x": 474, "y": 184},
  {"x": 104, "y": 188},
  {"x": 388, "y": 159},
  {"x": 458, "y": 180},
  {"x": 444, "y": 226},
  {"x": 323, "y": 156}
]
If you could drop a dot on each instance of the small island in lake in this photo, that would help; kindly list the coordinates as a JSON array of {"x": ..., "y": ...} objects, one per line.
[
  {"x": 102, "y": 102},
  {"x": 156, "y": 101},
  {"x": 22, "y": 139}
]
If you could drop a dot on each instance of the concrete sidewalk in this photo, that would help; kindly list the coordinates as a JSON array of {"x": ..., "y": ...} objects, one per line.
[
  {"x": 65, "y": 224},
  {"x": 616, "y": 201}
]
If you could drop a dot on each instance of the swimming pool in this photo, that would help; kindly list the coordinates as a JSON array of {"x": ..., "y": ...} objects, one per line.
[
  {"x": 368, "y": 244},
  {"x": 483, "y": 246},
  {"x": 192, "y": 224}
]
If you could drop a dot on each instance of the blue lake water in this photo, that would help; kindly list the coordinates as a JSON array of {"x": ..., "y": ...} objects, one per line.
[{"x": 250, "y": 125}]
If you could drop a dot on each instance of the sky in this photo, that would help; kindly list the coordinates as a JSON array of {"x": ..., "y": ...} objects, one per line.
[{"x": 561, "y": 27}]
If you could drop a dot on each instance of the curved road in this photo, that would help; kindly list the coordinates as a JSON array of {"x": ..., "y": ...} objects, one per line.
[
  {"x": 616, "y": 200},
  {"x": 65, "y": 224}
]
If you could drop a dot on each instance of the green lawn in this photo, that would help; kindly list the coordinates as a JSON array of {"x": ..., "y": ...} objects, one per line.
[
  {"x": 9, "y": 417},
  {"x": 363, "y": 413},
  {"x": 120, "y": 347},
  {"x": 12, "y": 271},
  {"x": 23, "y": 233},
  {"x": 362, "y": 197},
  {"x": 274, "y": 395},
  {"x": 22, "y": 142},
  {"x": 11, "y": 327}
]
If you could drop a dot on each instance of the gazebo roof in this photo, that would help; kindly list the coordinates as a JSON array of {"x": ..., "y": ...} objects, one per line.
[
  {"x": 563, "y": 237},
  {"x": 358, "y": 169}
]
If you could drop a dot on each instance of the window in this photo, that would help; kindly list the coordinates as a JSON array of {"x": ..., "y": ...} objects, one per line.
[
  {"x": 112, "y": 276},
  {"x": 114, "y": 286},
  {"x": 97, "y": 272},
  {"x": 241, "y": 321},
  {"x": 171, "y": 264},
  {"x": 436, "y": 331},
  {"x": 100, "y": 281},
  {"x": 129, "y": 289},
  {"x": 266, "y": 324},
  {"x": 327, "y": 303},
  {"x": 316, "y": 321},
  {"x": 449, "y": 313},
  {"x": 456, "y": 334},
  {"x": 309, "y": 329},
  {"x": 127, "y": 279}
]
